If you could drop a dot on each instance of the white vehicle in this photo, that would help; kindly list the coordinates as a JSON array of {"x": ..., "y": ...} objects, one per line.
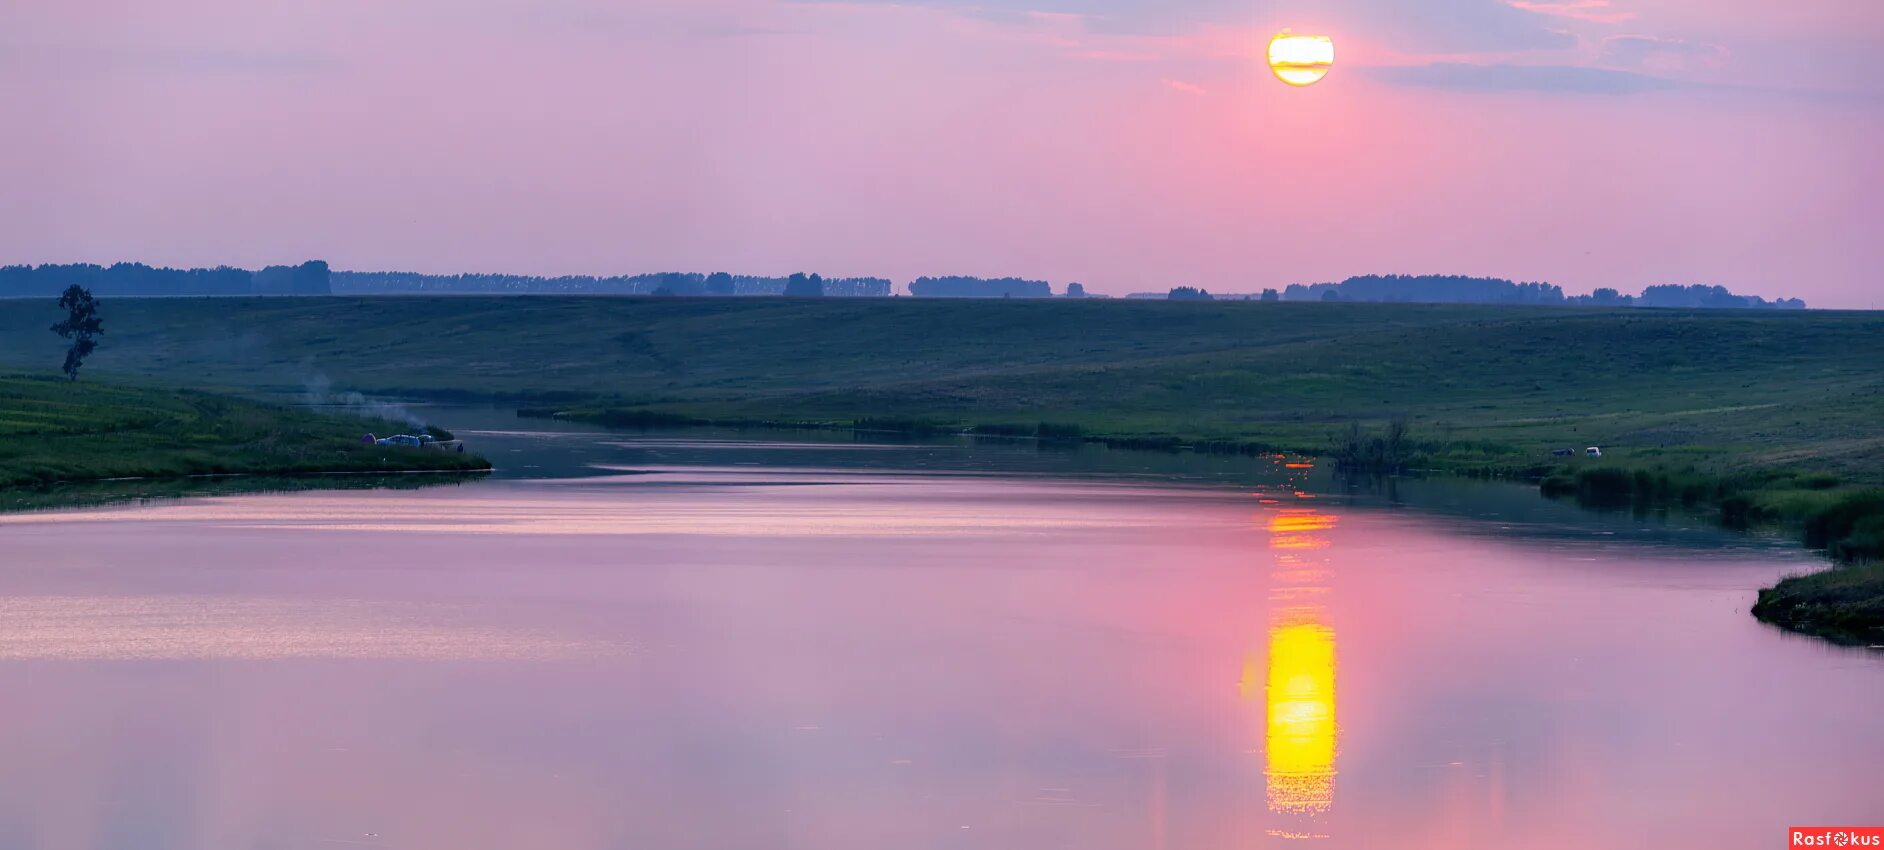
[
  {"x": 420, "y": 441},
  {"x": 1593, "y": 451}
]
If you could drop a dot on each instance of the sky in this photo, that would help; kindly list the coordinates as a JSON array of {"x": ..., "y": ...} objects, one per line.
[{"x": 1132, "y": 145}]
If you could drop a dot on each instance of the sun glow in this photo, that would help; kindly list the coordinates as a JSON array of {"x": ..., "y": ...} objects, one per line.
[{"x": 1300, "y": 60}]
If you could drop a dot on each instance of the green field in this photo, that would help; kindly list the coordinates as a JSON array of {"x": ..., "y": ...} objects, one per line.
[
  {"x": 55, "y": 431},
  {"x": 1718, "y": 390}
]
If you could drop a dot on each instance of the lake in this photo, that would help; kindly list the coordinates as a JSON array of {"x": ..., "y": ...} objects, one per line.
[{"x": 727, "y": 640}]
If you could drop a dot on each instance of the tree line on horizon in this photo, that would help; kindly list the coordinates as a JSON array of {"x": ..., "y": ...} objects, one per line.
[
  {"x": 315, "y": 278},
  {"x": 658, "y": 283},
  {"x": 139, "y": 280},
  {"x": 1459, "y": 289}
]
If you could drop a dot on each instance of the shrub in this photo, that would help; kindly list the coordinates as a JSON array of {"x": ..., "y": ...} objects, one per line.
[
  {"x": 1851, "y": 522},
  {"x": 1864, "y": 543},
  {"x": 1392, "y": 450},
  {"x": 1605, "y": 485},
  {"x": 1818, "y": 480}
]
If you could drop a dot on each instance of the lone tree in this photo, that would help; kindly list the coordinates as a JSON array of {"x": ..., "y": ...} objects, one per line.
[{"x": 81, "y": 326}]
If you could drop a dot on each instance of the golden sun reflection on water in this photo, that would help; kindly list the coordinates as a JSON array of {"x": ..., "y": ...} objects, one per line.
[{"x": 1301, "y": 737}]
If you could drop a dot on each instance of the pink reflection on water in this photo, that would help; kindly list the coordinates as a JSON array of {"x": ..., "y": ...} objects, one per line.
[{"x": 815, "y": 660}]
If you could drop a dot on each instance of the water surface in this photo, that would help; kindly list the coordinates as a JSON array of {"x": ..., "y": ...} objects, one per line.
[{"x": 677, "y": 640}]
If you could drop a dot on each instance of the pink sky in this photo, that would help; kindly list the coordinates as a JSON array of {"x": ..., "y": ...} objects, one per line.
[{"x": 1129, "y": 144}]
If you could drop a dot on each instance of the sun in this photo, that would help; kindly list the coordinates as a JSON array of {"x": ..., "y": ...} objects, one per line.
[{"x": 1300, "y": 60}]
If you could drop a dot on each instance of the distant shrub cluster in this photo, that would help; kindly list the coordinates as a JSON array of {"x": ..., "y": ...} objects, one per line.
[{"x": 1389, "y": 451}]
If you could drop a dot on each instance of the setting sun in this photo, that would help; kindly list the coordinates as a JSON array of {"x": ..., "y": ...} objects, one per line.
[{"x": 1300, "y": 60}]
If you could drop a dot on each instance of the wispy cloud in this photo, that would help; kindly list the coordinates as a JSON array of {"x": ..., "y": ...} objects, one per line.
[
  {"x": 1653, "y": 52},
  {"x": 1116, "y": 55},
  {"x": 1512, "y": 77},
  {"x": 1594, "y": 11},
  {"x": 1473, "y": 26},
  {"x": 1185, "y": 87}
]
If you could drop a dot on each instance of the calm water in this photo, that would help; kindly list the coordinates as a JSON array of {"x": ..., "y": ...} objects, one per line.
[{"x": 677, "y": 641}]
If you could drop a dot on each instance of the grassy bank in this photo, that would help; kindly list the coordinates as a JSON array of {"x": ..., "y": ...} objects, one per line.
[
  {"x": 1736, "y": 411},
  {"x": 1844, "y": 603},
  {"x": 1845, "y": 521},
  {"x": 54, "y": 431}
]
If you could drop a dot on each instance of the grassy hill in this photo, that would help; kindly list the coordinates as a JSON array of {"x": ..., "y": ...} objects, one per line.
[
  {"x": 1716, "y": 390},
  {"x": 54, "y": 431}
]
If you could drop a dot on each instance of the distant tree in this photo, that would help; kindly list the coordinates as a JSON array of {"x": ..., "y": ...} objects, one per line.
[
  {"x": 82, "y": 326},
  {"x": 663, "y": 291},
  {"x": 1190, "y": 293},
  {"x": 312, "y": 278},
  {"x": 1076, "y": 290},
  {"x": 1271, "y": 295},
  {"x": 1310, "y": 292},
  {"x": 719, "y": 283},
  {"x": 1331, "y": 295},
  {"x": 801, "y": 286},
  {"x": 1605, "y": 295}
]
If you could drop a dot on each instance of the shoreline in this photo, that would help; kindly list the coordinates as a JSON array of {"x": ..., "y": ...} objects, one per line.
[
  {"x": 1825, "y": 515},
  {"x": 74, "y": 495}
]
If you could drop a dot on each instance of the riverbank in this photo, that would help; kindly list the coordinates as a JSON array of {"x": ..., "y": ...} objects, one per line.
[
  {"x": 1844, "y": 521},
  {"x": 54, "y": 431}
]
